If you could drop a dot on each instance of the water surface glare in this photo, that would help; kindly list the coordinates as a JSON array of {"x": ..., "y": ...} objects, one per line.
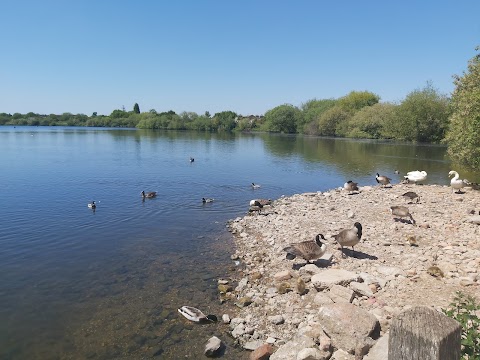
[{"x": 106, "y": 284}]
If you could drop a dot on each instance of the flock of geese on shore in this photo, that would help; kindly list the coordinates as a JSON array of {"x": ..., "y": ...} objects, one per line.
[{"x": 315, "y": 249}]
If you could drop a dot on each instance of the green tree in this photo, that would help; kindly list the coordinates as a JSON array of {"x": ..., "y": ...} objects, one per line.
[
  {"x": 423, "y": 116},
  {"x": 136, "y": 109},
  {"x": 356, "y": 100},
  {"x": 331, "y": 119},
  {"x": 283, "y": 118},
  {"x": 312, "y": 110},
  {"x": 463, "y": 136},
  {"x": 372, "y": 122}
]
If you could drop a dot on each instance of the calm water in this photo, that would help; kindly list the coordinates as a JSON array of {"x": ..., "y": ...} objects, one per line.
[{"x": 77, "y": 284}]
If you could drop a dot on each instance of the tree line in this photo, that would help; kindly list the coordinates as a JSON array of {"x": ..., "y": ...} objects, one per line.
[{"x": 425, "y": 115}]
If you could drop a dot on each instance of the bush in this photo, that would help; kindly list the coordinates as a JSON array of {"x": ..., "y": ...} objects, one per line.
[{"x": 465, "y": 310}]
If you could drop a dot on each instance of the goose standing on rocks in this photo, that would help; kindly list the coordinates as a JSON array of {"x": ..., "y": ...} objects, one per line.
[
  {"x": 255, "y": 186},
  {"x": 307, "y": 250},
  {"x": 350, "y": 186},
  {"x": 410, "y": 195},
  {"x": 401, "y": 212},
  {"x": 456, "y": 183},
  {"x": 383, "y": 180},
  {"x": 148, "y": 195},
  {"x": 349, "y": 237},
  {"x": 194, "y": 314},
  {"x": 416, "y": 176}
]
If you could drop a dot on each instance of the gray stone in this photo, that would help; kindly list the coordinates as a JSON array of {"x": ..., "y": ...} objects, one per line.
[
  {"x": 342, "y": 355},
  {"x": 361, "y": 288},
  {"x": 322, "y": 298},
  {"x": 347, "y": 324},
  {"x": 327, "y": 278},
  {"x": 341, "y": 294},
  {"x": 379, "y": 351},
  {"x": 290, "y": 350},
  {"x": 276, "y": 319},
  {"x": 311, "y": 354},
  {"x": 213, "y": 346},
  {"x": 253, "y": 345}
]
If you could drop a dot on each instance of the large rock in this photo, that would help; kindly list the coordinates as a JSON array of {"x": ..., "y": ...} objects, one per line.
[
  {"x": 213, "y": 347},
  {"x": 262, "y": 352},
  {"x": 379, "y": 351},
  {"x": 291, "y": 349},
  {"x": 348, "y": 326},
  {"x": 327, "y": 278}
]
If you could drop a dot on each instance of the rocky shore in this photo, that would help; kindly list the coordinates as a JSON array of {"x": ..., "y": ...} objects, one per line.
[{"x": 341, "y": 306}]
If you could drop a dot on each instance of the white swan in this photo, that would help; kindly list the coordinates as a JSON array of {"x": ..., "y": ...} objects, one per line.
[
  {"x": 456, "y": 183},
  {"x": 416, "y": 176}
]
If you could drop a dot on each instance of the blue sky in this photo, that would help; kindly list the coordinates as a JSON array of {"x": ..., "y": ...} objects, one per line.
[{"x": 246, "y": 56}]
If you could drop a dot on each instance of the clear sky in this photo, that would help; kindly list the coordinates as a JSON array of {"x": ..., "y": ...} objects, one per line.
[{"x": 247, "y": 56}]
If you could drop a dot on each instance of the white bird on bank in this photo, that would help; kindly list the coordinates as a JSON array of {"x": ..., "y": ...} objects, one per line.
[
  {"x": 416, "y": 176},
  {"x": 456, "y": 183},
  {"x": 194, "y": 314}
]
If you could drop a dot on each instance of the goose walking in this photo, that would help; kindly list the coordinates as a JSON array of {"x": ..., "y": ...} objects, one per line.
[
  {"x": 350, "y": 186},
  {"x": 416, "y": 176},
  {"x": 349, "y": 237},
  {"x": 411, "y": 195},
  {"x": 401, "y": 212},
  {"x": 194, "y": 314},
  {"x": 383, "y": 180},
  {"x": 307, "y": 250},
  {"x": 456, "y": 183},
  {"x": 148, "y": 195}
]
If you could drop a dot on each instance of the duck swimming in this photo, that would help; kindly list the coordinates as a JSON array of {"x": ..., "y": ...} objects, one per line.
[
  {"x": 92, "y": 205},
  {"x": 149, "y": 195},
  {"x": 308, "y": 250},
  {"x": 456, "y": 183},
  {"x": 207, "y": 200},
  {"x": 255, "y": 186},
  {"x": 416, "y": 176},
  {"x": 194, "y": 314}
]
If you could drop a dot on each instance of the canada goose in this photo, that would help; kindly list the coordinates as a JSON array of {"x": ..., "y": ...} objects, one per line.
[
  {"x": 207, "y": 200},
  {"x": 255, "y": 186},
  {"x": 382, "y": 180},
  {"x": 92, "y": 205},
  {"x": 350, "y": 186},
  {"x": 149, "y": 195},
  {"x": 260, "y": 202},
  {"x": 401, "y": 212},
  {"x": 308, "y": 250},
  {"x": 456, "y": 183},
  {"x": 349, "y": 237},
  {"x": 193, "y": 314},
  {"x": 416, "y": 176},
  {"x": 192, "y": 159},
  {"x": 410, "y": 195}
]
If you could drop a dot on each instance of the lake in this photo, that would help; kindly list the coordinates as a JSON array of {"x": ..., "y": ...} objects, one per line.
[{"x": 106, "y": 284}]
